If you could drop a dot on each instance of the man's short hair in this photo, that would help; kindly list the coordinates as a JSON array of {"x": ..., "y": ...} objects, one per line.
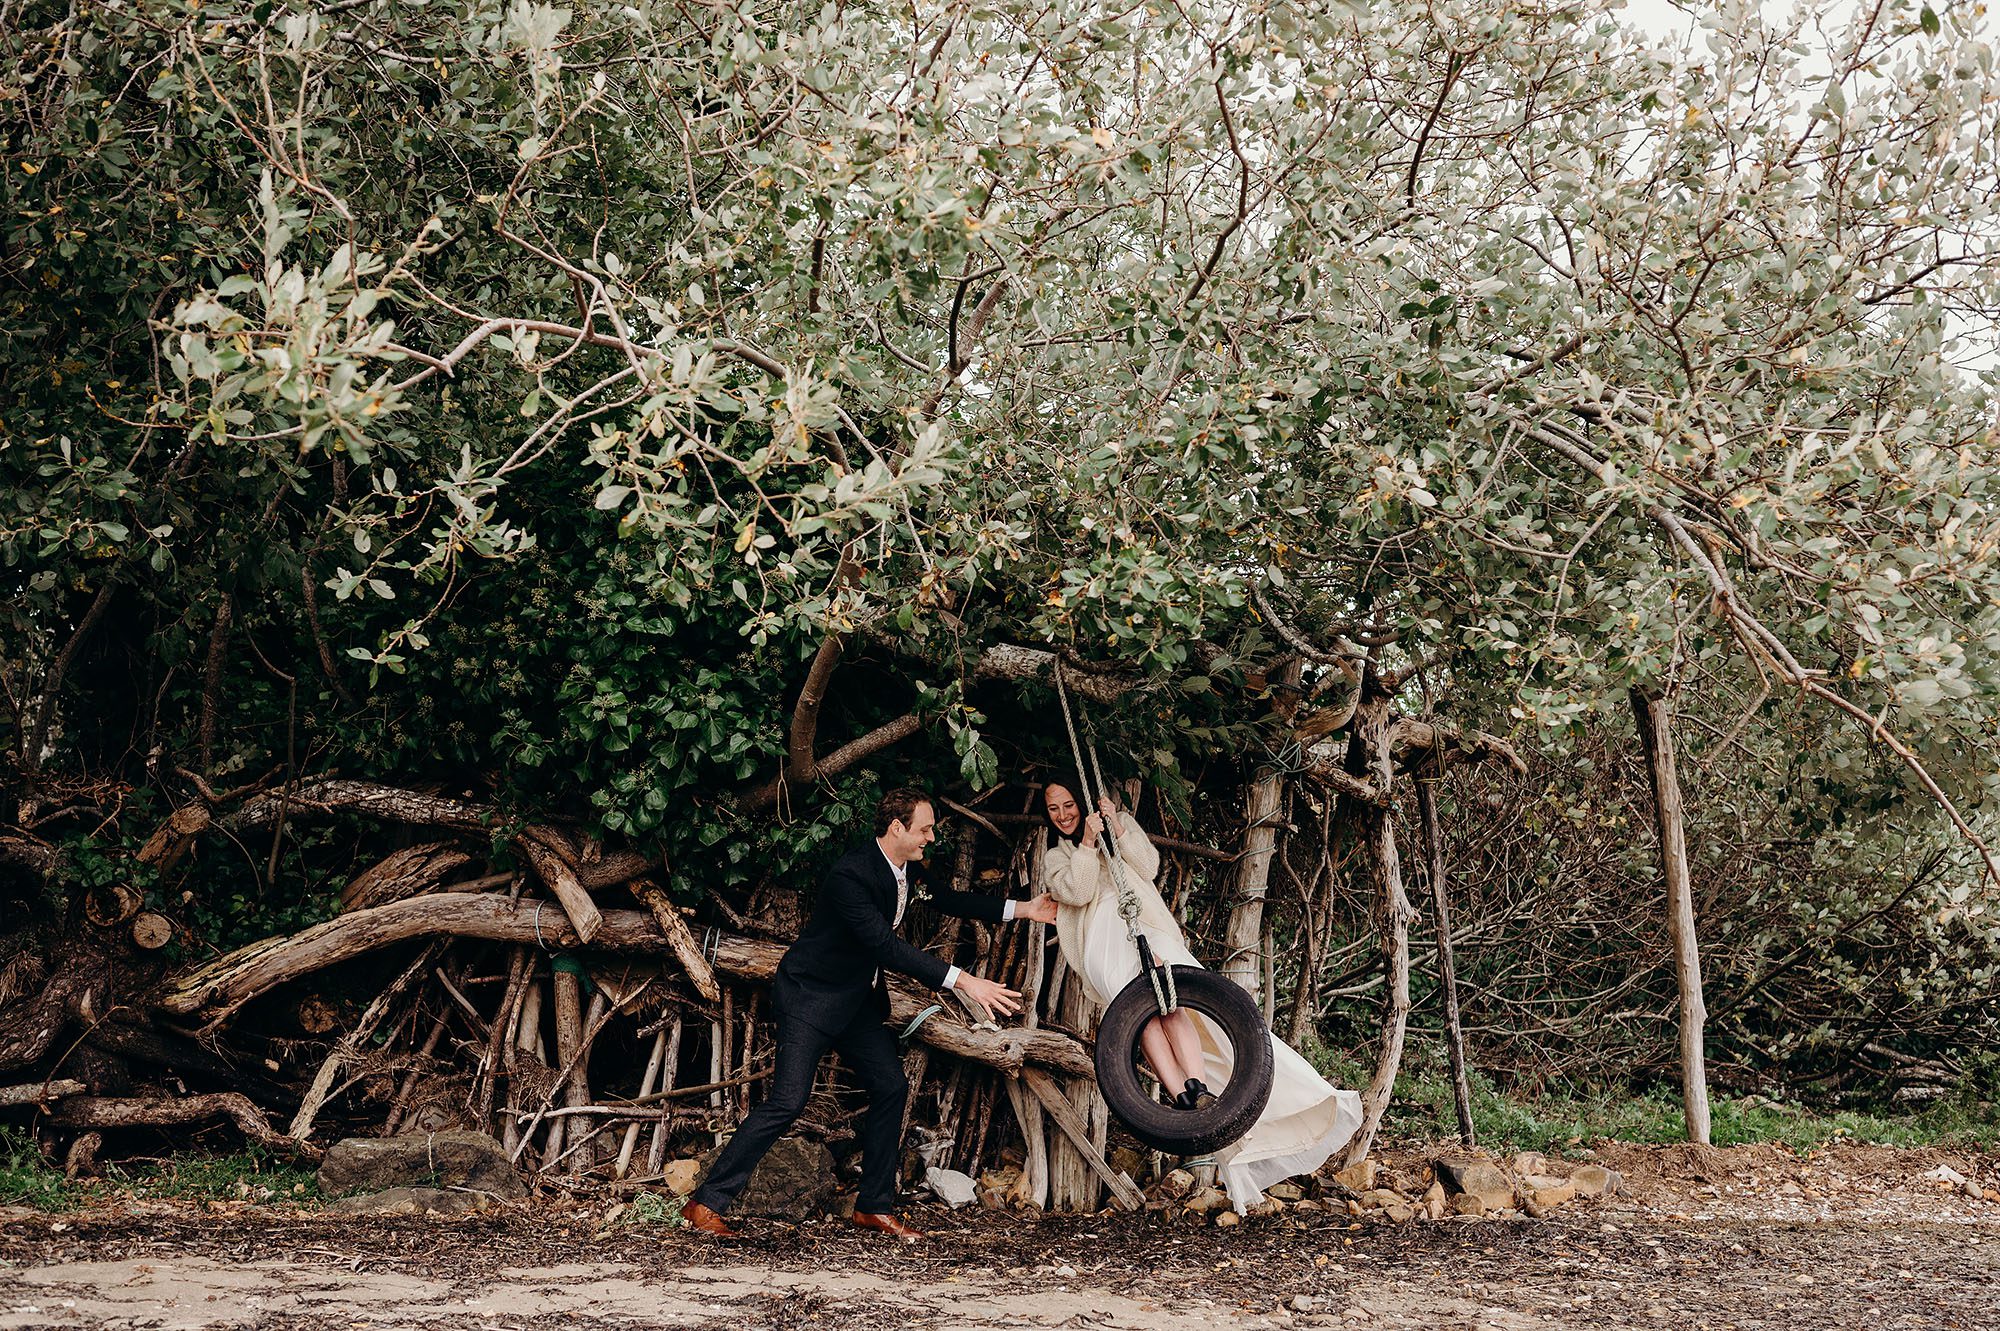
[{"x": 898, "y": 806}]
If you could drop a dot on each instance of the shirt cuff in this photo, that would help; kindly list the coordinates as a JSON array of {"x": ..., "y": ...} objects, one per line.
[
  {"x": 1007, "y": 910},
  {"x": 951, "y": 978}
]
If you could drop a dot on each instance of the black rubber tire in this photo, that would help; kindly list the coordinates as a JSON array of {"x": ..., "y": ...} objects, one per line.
[{"x": 1162, "y": 1126}]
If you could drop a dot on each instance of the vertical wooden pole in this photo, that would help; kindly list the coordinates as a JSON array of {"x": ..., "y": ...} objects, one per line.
[
  {"x": 1243, "y": 938},
  {"x": 1654, "y": 716},
  {"x": 1454, "y": 1029}
]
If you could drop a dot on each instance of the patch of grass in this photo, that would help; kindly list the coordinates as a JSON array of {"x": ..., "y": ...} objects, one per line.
[
  {"x": 1554, "y": 1120},
  {"x": 29, "y": 1178},
  {"x": 651, "y": 1208},
  {"x": 252, "y": 1174}
]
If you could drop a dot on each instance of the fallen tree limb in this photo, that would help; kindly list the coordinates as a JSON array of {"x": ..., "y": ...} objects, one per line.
[
  {"x": 214, "y": 991},
  {"x": 103, "y": 1111},
  {"x": 40, "y": 1092},
  {"x": 553, "y": 868},
  {"x": 679, "y": 938},
  {"x": 377, "y": 801}
]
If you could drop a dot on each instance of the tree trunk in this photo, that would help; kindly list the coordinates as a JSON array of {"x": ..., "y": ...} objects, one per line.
[
  {"x": 1242, "y": 941},
  {"x": 1454, "y": 1031},
  {"x": 1654, "y": 716},
  {"x": 1369, "y": 749}
]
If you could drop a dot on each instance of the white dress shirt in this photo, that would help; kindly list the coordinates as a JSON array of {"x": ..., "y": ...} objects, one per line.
[{"x": 902, "y": 872}]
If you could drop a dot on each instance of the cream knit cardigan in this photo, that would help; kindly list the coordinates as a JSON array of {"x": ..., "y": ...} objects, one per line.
[{"x": 1081, "y": 881}]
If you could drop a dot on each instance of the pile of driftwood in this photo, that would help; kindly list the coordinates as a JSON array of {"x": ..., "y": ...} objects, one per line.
[{"x": 565, "y": 1004}]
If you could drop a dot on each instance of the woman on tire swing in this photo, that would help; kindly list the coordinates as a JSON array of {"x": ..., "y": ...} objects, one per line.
[{"x": 1305, "y": 1120}]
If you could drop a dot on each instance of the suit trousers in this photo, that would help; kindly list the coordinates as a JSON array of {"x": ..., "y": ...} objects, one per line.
[{"x": 870, "y": 1053}]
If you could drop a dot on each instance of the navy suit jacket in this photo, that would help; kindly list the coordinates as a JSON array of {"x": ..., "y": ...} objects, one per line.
[{"x": 829, "y": 973}]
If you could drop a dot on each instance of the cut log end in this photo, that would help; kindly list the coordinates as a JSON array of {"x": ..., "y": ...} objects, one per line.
[{"x": 151, "y": 931}]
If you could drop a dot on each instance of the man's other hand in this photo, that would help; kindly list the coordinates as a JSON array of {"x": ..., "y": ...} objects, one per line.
[
  {"x": 994, "y": 997},
  {"x": 1042, "y": 909}
]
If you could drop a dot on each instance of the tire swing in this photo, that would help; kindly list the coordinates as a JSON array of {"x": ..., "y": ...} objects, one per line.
[{"x": 1157, "y": 991}]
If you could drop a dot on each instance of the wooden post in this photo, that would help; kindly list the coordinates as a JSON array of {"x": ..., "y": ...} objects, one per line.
[
  {"x": 1654, "y": 716},
  {"x": 1454, "y": 1030}
]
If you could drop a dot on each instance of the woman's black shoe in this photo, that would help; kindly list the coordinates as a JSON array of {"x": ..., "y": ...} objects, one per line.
[{"x": 1191, "y": 1096}]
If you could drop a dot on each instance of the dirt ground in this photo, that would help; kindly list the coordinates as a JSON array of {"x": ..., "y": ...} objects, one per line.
[{"x": 1738, "y": 1240}]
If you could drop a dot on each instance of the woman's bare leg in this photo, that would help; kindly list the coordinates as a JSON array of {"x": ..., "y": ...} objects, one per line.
[
  {"x": 1187, "y": 1043},
  {"x": 1159, "y": 1048}
]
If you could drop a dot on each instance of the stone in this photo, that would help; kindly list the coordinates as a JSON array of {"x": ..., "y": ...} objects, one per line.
[
  {"x": 1970, "y": 1189},
  {"x": 1001, "y": 1180},
  {"x": 1485, "y": 1181},
  {"x": 1269, "y": 1206},
  {"x": 1596, "y": 1181},
  {"x": 460, "y": 1161},
  {"x": 1130, "y": 1161},
  {"x": 1538, "y": 1182},
  {"x": 1303, "y": 1303},
  {"x": 951, "y": 1187},
  {"x": 1434, "y": 1207},
  {"x": 1466, "y": 1203},
  {"x": 1357, "y": 1177},
  {"x": 1285, "y": 1192},
  {"x": 792, "y": 1181},
  {"x": 1177, "y": 1184},
  {"x": 1436, "y": 1193},
  {"x": 1550, "y": 1198},
  {"x": 1307, "y": 1204},
  {"x": 413, "y": 1201},
  {"x": 993, "y": 1199},
  {"x": 1530, "y": 1162},
  {"x": 1227, "y": 1219},
  {"x": 1380, "y": 1198},
  {"x": 1946, "y": 1175},
  {"x": 1399, "y": 1213},
  {"x": 680, "y": 1176},
  {"x": 1208, "y": 1199}
]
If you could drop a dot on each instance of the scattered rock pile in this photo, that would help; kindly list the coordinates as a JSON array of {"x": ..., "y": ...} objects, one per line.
[{"x": 1464, "y": 1185}]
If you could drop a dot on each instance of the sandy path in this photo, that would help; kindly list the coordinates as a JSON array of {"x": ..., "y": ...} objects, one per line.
[{"x": 195, "y": 1271}]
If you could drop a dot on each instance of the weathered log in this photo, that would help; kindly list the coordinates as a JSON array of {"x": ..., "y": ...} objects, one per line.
[
  {"x": 555, "y": 870},
  {"x": 80, "y": 1161},
  {"x": 409, "y": 872},
  {"x": 1436, "y": 745},
  {"x": 215, "y": 990},
  {"x": 1123, "y": 1190},
  {"x": 679, "y": 937},
  {"x": 172, "y": 838},
  {"x": 111, "y": 904},
  {"x": 185, "y": 1057},
  {"x": 377, "y": 801},
  {"x": 40, "y": 1092},
  {"x": 103, "y": 1111},
  {"x": 151, "y": 931},
  {"x": 32, "y": 1026}
]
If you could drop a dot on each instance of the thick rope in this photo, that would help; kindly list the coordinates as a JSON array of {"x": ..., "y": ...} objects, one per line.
[{"x": 1162, "y": 976}]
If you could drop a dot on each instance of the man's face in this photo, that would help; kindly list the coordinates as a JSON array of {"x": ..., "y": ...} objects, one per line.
[{"x": 907, "y": 840}]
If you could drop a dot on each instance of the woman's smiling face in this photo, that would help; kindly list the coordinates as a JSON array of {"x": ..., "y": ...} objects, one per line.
[{"x": 1062, "y": 807}]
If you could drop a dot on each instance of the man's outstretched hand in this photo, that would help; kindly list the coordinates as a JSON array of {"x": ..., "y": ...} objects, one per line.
[
  {"x": 994, "y": 997},
  {"x": 1042, "y": 909}
]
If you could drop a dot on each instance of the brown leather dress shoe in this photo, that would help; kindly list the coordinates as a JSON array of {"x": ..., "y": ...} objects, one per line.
[
  {"x": 888, "y": 1224},
  {"x": 707, "y": 1221}
]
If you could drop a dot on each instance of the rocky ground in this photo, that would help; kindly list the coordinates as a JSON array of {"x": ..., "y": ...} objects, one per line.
[{"x": 1728, "y": 1240}]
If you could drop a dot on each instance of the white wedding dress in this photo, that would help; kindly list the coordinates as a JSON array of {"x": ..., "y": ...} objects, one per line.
[{"x": 1307, "y": 1118}]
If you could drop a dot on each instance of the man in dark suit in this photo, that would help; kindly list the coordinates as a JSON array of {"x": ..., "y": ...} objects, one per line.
[{"x": 829, "y": 994}]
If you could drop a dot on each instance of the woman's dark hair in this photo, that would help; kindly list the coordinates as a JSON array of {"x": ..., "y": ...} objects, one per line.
[{"x": 1077, "y": 793}]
